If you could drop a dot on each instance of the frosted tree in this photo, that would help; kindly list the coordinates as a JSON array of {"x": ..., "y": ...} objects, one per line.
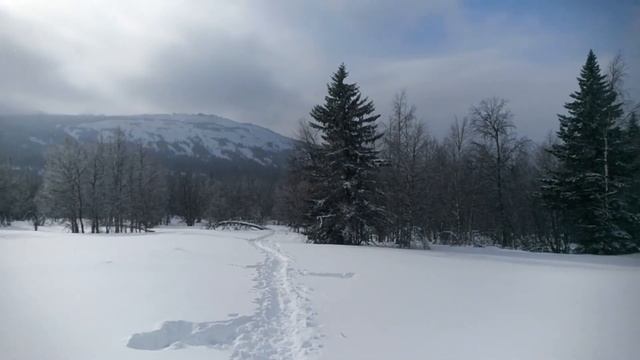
[{"x": 348, "y": 209}]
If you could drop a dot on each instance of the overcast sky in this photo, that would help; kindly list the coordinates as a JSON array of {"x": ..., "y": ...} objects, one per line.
[{"x": 268, "y": 62}]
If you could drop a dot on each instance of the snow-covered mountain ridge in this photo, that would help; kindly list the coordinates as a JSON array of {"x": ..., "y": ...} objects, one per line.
[
  {"x": 174, "y": 135},
  {"x": 190, "y": 135}
]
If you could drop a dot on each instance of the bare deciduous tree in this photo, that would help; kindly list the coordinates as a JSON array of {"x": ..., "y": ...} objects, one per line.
[
  {"x": 65, "y": 175},
  {"x": 403, "y": 147},
  {"x": 460, "y": 197},
  {"x": 496, "y": 147}
]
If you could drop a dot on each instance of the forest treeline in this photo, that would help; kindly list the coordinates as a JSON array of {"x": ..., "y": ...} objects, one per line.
[
  {"x": 356, "y": 178},
  {"x": 116, "y": 186},
  {"x": 579, "y": 191}
]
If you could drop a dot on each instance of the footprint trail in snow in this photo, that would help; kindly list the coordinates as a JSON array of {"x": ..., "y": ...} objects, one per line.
[{"x": 283, "y": 326}]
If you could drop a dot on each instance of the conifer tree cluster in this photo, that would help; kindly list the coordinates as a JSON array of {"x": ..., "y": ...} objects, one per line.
[{"x": 482, "y": 185}]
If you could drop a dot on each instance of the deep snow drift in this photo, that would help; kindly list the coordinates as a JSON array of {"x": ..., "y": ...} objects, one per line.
[{"x": 201, "y": 294}]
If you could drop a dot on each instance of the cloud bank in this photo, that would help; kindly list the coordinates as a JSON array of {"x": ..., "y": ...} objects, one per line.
[{"x": 269, "y": 62}]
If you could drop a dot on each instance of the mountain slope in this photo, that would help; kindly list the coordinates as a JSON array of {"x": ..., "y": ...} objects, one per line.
[{"x": 199, "y": 138}]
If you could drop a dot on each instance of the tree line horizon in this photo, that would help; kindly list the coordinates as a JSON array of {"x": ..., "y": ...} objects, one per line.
[{"x": 354, "y": 179}]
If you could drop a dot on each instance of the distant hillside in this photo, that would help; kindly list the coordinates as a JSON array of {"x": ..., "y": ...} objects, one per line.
[{"x": 182, "y": 140}]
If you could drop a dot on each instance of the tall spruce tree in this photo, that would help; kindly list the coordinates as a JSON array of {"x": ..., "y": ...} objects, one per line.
[
  {"x": 346, "y": 210},
  {"x": 594, "y": 171}
]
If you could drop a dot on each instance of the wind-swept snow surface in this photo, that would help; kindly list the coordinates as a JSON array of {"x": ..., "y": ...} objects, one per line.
[{"x": 202, "y": 294}]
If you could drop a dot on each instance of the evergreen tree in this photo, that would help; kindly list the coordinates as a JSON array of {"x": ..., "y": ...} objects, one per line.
[
  {"x": 589, "y": 184},
  {"x": 633, "y": 149},
  {"x": 348, "y": 210}
]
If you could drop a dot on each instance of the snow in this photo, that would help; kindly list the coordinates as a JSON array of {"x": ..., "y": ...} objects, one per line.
[
  {"x": 219, "y": 136},
  {"x": 183, "y": 293},
  {"x": 37, "y": 141},
  {"x": 82, "y": 297}
]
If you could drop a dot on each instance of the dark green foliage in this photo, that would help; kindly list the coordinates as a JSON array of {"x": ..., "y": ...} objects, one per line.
[
  {"x": 346, "y": 207},
  {"x": 633, "y": 192},
  {"x": 6, "y": 193},
  {"x": 589, "y": 184}
]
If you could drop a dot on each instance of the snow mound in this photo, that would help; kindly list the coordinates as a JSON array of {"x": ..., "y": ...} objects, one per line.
[{"x": 181, "y": 333}]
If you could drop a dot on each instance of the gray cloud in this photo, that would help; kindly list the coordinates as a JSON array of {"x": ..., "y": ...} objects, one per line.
[
  {"x": 30, "y": 81},
  {"x": 443, "y": 88},
  {"x": 268, "y": 62},
  {"x": 222, "y": 74}
]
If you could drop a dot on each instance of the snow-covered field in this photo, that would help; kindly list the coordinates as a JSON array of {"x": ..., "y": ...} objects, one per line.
[{"x": 201, "y": 294}]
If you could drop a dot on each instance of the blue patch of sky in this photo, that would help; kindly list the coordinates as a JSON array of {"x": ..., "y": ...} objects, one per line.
[{"x": 603, "y": 25}]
